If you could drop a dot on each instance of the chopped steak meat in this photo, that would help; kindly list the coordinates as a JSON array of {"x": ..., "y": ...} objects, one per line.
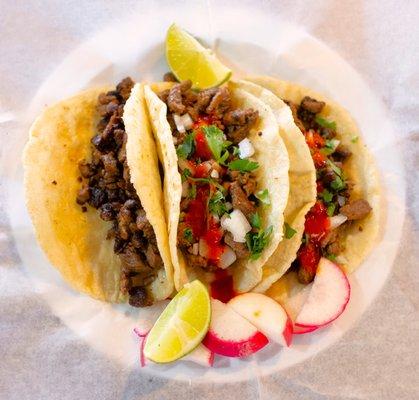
[
  {"x": 220, "y": 102},
  {"x": 341, "y": 153},
  {"x": 106, "y": 186},
  {"x": 238, "y": 123},
  {"x": 197, "y": 261},
  {"x": 312, "y": 105},
  {"x": 169, "y": 77},
  {"x": 240, "y": 249},
  {"x": 175, "y": 100},
  {"x": 356, "y": 210},
  {"x": 240, "y": 200}
]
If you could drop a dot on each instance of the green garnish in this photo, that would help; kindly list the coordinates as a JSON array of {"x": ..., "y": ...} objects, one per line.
[
  {"x": 185, "y": 149},
  {"x": 257, "y": 241},
  {"x": 185, "y": 174},
  {"x": 326, "y": 195},
  {"x": 216, "y": 204},
  {"x": 216, "y": 142},
  {"x": 338, "y": 184},
  {"x": 325, "y": 123},
  {"x": 329, "y": 147},
  {"x": 331, "y": 256},
  {"x": 236, "y": 151},
  {"x": 354, "y": 139},
  {"x": 255, "y": 220},
  {"x": 331, "y": 209},
  {"x": 243, "y": 165},
  {"x": 263, "y": 197},
  {"x": 210, "y": 181},
  {"x": 192, "y": 192},
  {"x": 187, "y": 235},
  {"x": 288, "y": 231},
  {"x": 335, "y": 168}
]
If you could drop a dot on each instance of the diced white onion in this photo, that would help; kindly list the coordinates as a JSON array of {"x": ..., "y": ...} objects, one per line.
[
  {"x": 214, "y": 174},
  {"x": 337, "y": 220},
  {"x": 341, "y": 200},
  {"x": 186, "y": 121},
  {"x": 203, "y": 248},
  {"x": 179, "y": 125},
  {"x": 341, "y": 260},
  {"x": 228, "y": 205},
  {"x": 246, "y": 148},
  {"x": 227, "y": 258},
  {"x": 237, "y": 224},
  {"x": 185, "y": 189},
  {"x": 195, "y": 249}
]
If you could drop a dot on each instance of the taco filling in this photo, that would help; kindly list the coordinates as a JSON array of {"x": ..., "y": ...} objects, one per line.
[
  {"x": 334, "y": 209},
  {"x": 219, "y": 220},
  {"x": 106, "y": 187}
]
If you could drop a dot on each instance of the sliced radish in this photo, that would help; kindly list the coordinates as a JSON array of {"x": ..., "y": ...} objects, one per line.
[
  {"x": 328, "y": 296},
  {"x": 299, "y": 330},
  {"x": 230, "y": 334},
  {"x": 266, "y": 315}
]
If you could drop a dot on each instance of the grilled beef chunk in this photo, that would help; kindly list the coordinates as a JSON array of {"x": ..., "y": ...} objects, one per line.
[
  {"x": 169, "y": 77},
  {"x": 240, "y": 249},
  {"x": 238, "y": 123},
  {"x": 106, "y": 186},
  {"x": 356, "y": 210},
  {"x": 341, "y": 153},
  {"x": 240, "y": 200},
  {"x": 312, "y": 105}
]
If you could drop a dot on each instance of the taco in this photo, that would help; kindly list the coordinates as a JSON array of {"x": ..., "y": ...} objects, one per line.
[
  {"x": 94, "y": 194},
  {"x": 226, "y": 180},
  {"x": 343, "y": 223}
]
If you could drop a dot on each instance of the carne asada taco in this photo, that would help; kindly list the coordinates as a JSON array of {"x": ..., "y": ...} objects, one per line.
[
  {"x": 94, "y": 194},
  {"x": 343, "y": 223},
  {"x": 226, "y": 180},
  {"x": 302, "y": 195}
]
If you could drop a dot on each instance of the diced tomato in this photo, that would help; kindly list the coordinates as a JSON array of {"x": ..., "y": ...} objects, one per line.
[
  {"x": 197, "y": 211},
  {"x": 203, "y": 120},
  {"x": 317, "y": 221},
  {"x": 320, "y": 187},
  {"x": 202, "y": 170},
  {"x": 314, "y": 140},
  {"x": 309, "y": 256},
  {"x": 319, "y": 159},
  {"x": 222, "y": 287},
  {"x": 213, "y": 237},
  {"x": 202, "y": 150}
]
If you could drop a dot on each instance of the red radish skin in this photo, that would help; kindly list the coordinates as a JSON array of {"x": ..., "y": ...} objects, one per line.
[
  {"x": 299, "y": 330},
  {"x": 230, "y": 334},
  {"x": 288, "y": 332},
  {"x": 328, "y": 297},
  {"x": 243, "y": 348}
]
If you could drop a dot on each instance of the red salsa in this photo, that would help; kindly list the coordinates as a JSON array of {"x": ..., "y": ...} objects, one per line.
[{"x": 222, "y": 287}]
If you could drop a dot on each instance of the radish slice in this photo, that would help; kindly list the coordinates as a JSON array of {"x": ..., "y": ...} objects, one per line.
[
  {"x": 328, "y": 297},
  {"x": 299, "y": 330}
]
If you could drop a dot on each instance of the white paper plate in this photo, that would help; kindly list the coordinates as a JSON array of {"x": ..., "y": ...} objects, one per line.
[{"x": 255, "y": 44}]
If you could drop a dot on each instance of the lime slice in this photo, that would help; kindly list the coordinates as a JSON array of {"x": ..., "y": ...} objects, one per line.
[
  {"x": 190, "y": 60},
  {"x": 181, "y": 326}
]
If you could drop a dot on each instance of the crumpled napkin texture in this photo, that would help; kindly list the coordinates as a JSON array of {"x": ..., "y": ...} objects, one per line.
[{"x": 377, "y": 359}]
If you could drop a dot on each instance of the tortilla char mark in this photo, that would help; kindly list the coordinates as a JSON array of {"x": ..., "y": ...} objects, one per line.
[
  {"x": 219, "y": 180},
  {"x": 106, "y": 187},
  {"x": 335, "y": 207}
]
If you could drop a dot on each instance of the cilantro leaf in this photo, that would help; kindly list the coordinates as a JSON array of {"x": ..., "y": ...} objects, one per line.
[
  {"x": 257, "y": 241},
  {"x": 335, "y": 168},
  {"x": 325, "y": 123},
  {"x": 255, "y": 220},
  {"x": 185, "y": 149},
  {"x": 243, "y": 165},
  {"x": 187, "y": 235},
  {"x": 331, "y": 256},
  {"x": 354, "y": 139},
  {"x": 289, "y": 232},
  {"x": 263, "y": 197},
  {"x": 185, "y": 174},
  {"x": 216, "y": 142},
  {"x": 331, "y": 209},
  {"x": 216, "y": 204},
  {"x": 327, "y": 196},
  {"x": 192, "y": 192},
  {"x": 338, "y": 184},
  {"x": 236, "y": 151}
]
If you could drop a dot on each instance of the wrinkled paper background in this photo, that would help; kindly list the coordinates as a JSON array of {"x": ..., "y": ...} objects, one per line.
[{"x": 377, "y": 359}]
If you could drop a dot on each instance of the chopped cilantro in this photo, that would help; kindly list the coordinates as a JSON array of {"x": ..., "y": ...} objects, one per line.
[
  {"x": 354, "y": 139},
  {"x": 338, "y": 184},
  {"x": 223, "y": 157},
  {"x": 255, "y": 220},
  {"x": 325, "y": 123},
  {"x": 185, "y": 174},
  {"x": 185, "y": 149},
  {"x": 210, "y": 181},
  {"x": 187, "y": 235},
  {"x": 216, "y": 142},
  {"x": 236, "y": 151},
  {"x": 257, "y": 241},
  {"x": 192, "y": 192},
  {"x": 243, "y": 165},
  {"x": 216, "y": 204},
  {"x": 263, "y": 197},
  {"x": 331, "y": 209},
  {"x": 289, "y": 232},
  {"x": 331, "y": 256},
  {"x": 335, "y": 168},
  {"x": 327, "y": 196}
]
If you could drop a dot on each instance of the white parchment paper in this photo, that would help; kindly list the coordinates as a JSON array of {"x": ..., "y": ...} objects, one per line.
[{"x": 47, "y": 355}]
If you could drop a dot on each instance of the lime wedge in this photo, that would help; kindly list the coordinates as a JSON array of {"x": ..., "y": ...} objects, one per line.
[
  {"x": 181, "y": 326},
  {"x": 188, "y": 59}
]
